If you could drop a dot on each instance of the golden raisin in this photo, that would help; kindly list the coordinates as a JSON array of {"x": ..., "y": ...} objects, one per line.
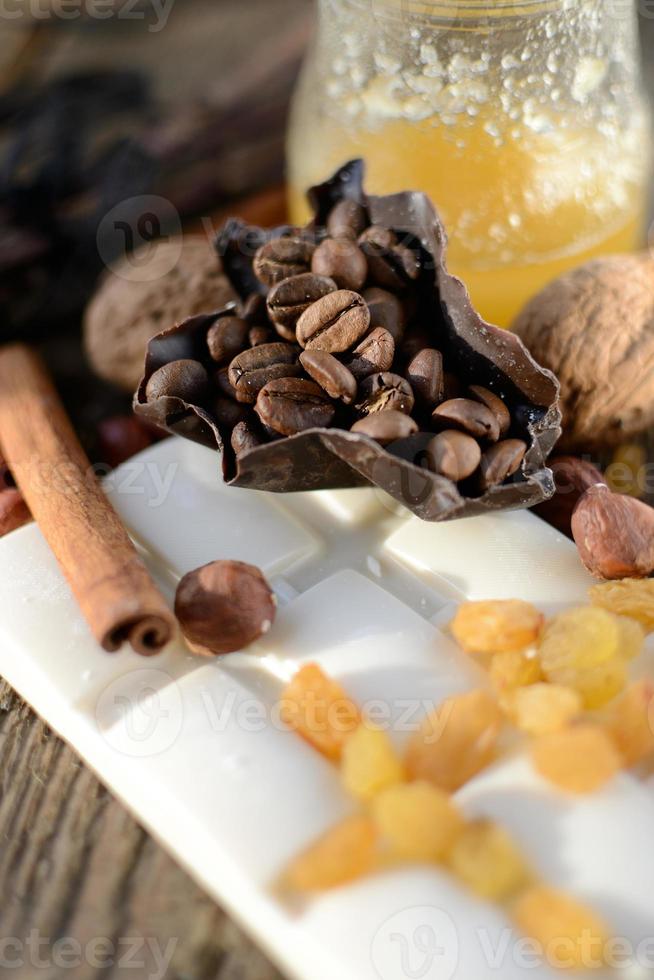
[
  {"x": 456, "y": 741},
  {"x": 369, "y": 763},
  {"x": 496, "y": 625},
  {"x": 486, "y": 859},
  {"x": 345, "y": 852},
  {"x": 580, "y": 759},
  {"x": 513, "y": 668},
  {"x": 542, "y": 708},
  {"x": 319, "y": 710},
  {"x": 630, "y": 723},
  {"x": 572, "y": 936},
  {"x": 632, "y": 597},
  {"x": 581, "y": 649},
  {"x": 415, "y": 822}
]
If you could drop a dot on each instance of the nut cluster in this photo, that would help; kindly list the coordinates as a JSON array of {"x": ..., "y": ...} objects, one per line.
[{"x": 338, "y": 340}]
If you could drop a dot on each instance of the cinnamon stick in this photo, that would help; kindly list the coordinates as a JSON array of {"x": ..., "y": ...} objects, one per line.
[{"x": 116, "y": 594}]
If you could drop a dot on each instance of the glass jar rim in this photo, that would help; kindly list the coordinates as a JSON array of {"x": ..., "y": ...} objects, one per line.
[{"x": 462, "y": 10}]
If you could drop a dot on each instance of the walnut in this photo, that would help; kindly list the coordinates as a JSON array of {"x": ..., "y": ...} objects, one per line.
[
  {"x": 144, "y": 294},
  {"x": 594, "y": 328}
]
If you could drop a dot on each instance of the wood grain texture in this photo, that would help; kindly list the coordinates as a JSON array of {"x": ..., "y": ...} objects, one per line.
[{"x": 74, "y": 864}]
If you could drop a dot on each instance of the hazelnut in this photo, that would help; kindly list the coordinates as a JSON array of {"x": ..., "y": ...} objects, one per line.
[
  {"x": 572, "y": 476},
  {"x": 223, "y": 607},
  {"x": 594, "y": 328},
  {"x": 614, "y": 534},
  {"x": 120, "y": 437}
]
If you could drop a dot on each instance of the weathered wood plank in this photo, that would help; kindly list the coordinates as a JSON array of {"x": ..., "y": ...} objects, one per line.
[{"x": 74, "y": 864}]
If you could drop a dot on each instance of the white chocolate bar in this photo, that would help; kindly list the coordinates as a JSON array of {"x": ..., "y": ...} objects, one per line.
[{"x": 194, "y": 747}]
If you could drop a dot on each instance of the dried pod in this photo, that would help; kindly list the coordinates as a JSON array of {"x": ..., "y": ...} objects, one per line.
[
  {"x": 614, "y": 534},
  {"x": 444, "y": 319}
]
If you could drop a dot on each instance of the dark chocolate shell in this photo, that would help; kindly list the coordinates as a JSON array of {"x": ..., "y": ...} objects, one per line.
[{"x": 479, "y": 353}]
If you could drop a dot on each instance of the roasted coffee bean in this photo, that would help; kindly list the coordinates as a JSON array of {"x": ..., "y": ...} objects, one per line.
[
  {"x": 288, "y": 300},
  {"x": 386, "y": 311},
  {"x": 280, "y": 258},
  {"x": 229, "y": 413},
  {"x": 468, "y": 416},
  {"x": 342, "y": 261},
  {"x": 453, "y": 454},
  {"x": 254, "y": 309},
  {"x": 347, "y": 219},
  {"x": 386, "y": 426},
  {"x": 226, "y": 338},
  {"x": 334, "y": 323},
  {"x": 374, "y": 354},
  {"x": 385, "y": 392},
  {"x": 501, "y": 461},
  {"x": 496, "y": 405},
  {"x": 183, "y": 379},
  {"x": 223, "y": 384},
  {"x": 244, "y": 437},
  {"x": 417, "y": 338},
  {"x": 330, "y": 374},
  {"x": 253, "y": 368},
  {"x": 391, "y": 264},
  {"x": 290, "y": 405},
  {"x": 425, "y": 375},
  {"x": 223, "y": 607},
  {"x": 261, "y": 335},
  {"x": 378, "y": 237}
]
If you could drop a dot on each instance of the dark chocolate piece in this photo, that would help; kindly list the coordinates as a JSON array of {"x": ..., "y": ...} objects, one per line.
[{"x": 477, "y": 352}]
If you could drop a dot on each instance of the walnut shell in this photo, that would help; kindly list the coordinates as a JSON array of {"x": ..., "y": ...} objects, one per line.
[
  {"x": 594, "y": 328},
  {"x": 175, "y": 278}
]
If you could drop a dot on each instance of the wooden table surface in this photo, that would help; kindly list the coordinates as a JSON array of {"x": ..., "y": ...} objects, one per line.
[{"x": 74, "y": 864}]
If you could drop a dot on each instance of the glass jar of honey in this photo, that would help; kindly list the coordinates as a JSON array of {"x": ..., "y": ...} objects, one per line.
[{"x": 524, "y": 120}]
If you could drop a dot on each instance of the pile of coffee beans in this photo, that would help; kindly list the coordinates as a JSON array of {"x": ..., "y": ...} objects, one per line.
[{"x": 337, "y": 339}]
